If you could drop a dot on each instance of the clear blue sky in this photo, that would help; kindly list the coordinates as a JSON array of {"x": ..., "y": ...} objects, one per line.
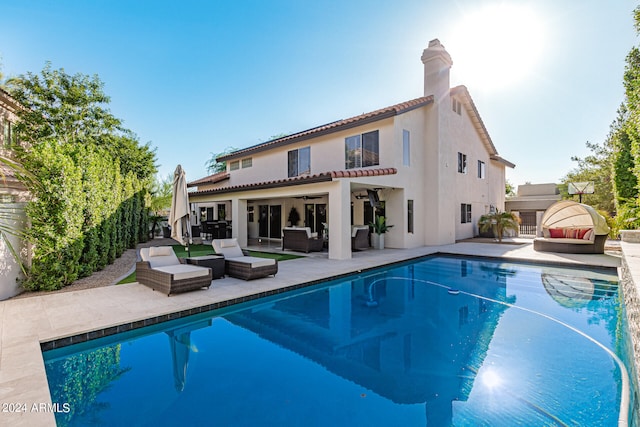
[{"x": 195, "y": 77}]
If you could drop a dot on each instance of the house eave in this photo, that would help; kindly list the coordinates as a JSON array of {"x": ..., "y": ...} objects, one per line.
[
  {"x": 299, "y": 180},
  {"x": 503, "y": 161}
]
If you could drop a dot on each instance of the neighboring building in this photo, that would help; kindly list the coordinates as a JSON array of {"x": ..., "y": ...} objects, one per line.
[
  {"x": 13, "y": 197},
  {"x": 430, "y": 161},
  {"x": 529, "y": 204}
]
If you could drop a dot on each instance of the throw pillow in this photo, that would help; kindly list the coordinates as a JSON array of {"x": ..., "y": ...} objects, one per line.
[{"x": 556, "y": 233}]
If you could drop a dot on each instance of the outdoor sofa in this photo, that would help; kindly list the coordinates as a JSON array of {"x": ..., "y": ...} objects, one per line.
[
  {"x": 238, "y": 264},
  {"x": 360, "y": 237},
  {"x": 160, "y": 269},
  {"x": 571, "y": 227},
  {"x": 300, "y": 239}
]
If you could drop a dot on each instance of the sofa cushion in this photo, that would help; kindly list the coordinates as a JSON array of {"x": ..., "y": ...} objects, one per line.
[
  {"x": 184, "y": 271},
  {"x": 564, "y": 240},
  {"x": 253, "y": 261},
  {"x": 589, "y": 235},
  {"x": 307, "y": 230},
  {"x": 556, "y": 233}
]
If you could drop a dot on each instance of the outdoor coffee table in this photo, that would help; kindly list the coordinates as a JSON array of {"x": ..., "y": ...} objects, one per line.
[{"x": 214, "y": 262}]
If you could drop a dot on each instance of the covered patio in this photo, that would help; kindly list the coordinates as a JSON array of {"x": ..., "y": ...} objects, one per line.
[{"x": 329, "y": 204}]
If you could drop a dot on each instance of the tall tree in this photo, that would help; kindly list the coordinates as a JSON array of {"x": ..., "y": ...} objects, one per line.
[
  {"x": 595, "y": 167},
  {"x": 213, "y": 165},
  {"x": 95, "y": 176},
  {"x": 625, "y": 182}
]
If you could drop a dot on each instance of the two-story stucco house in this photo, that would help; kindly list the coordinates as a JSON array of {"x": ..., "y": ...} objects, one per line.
[{"x": 429, "y": 161}]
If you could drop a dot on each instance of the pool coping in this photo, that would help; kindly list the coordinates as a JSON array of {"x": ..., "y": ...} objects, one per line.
[{"x": 28, "y": 324}]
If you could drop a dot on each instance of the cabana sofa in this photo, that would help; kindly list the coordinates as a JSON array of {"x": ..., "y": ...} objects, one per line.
[
  {"x": 571, "y": 227},
  {"x": 161, "y": 270},
  {"x": 241, "y": 266}
]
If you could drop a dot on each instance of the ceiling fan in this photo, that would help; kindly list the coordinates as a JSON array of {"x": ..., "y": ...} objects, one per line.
[{"x": 308, "y": 197}]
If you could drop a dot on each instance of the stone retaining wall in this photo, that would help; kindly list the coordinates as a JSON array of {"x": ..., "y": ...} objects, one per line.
[{"x": 630, "y": 285}]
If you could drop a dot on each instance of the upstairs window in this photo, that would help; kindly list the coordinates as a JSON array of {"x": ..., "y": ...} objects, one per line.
[
  {"x": 481, "y": 169},
  {"x": 362, "y": 150},
  {"x": 456, "y": 106},
  {"x": 462, "y": 163},
  {"x": 247, "y": 163},
  {"x": 406, "y": 148},
  {"x": 299, "y": 162},
  {"x": 234, "y": 165}
]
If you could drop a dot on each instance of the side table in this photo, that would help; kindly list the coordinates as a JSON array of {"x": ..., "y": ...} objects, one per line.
[{"x": 214, "y": 262}]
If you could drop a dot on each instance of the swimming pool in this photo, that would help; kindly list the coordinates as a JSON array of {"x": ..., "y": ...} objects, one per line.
[{"x": 444, "y": 340}]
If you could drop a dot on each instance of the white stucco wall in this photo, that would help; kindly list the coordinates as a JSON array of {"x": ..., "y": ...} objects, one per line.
[
  {"x": 13, "y": 217},
  {"x": 327, "y": 154}
]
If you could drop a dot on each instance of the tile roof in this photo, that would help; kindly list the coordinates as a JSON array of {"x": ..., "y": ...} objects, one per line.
[
  {"x": 211, "y": 179},
  {"x": 336, "y": 126},
  {"x": 299, "y": 180}
]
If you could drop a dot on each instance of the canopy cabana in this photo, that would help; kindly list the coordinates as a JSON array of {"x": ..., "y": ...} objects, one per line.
[
  {"x": 570, "y": 214},
  {"x": 572, "y": 227}
]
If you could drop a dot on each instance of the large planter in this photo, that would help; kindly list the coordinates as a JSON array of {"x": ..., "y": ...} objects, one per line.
[{"x": 377, "y": 241}]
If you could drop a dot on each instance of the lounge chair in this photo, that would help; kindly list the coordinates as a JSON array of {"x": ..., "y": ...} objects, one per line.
[
  {"x": 238, "y": 264},
  {"x": 161, "y": 270},
  {"x": 300, "y": 239}
]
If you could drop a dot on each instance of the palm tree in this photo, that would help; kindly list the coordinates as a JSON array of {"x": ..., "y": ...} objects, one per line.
[
  {"x": 9, "y": 218},
  {"x": 499, "y": 222}
]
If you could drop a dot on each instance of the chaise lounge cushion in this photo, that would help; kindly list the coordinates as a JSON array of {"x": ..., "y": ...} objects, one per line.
[
  {"x": 163, "y": 258},
  {"x": 232, "y": 252},
  {"x": 229, "y": 248},
  {"x": 159, "y": 256},
  {"x": 253, "y": 261},
  {"x": 184, "y": 271}
]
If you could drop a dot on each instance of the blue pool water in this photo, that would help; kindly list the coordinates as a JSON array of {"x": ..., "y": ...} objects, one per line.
[{"x": 441, "y": 341}]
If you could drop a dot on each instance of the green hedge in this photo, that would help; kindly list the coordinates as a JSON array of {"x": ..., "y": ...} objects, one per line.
[
  {"x": 83, "y": 216},
  {"x": 91, "y": 177}
]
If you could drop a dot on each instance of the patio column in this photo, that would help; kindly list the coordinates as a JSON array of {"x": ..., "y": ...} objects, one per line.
[
  {"x": 340, "y": 220},
  {"x": 239, "y": 221}
]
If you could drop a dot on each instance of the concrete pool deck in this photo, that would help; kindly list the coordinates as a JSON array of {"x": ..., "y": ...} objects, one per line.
[{"x": 27, "y": 322}]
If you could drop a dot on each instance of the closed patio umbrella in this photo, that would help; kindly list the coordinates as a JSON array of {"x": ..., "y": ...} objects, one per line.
[
  {"x": 180, "y": 344},
  {"x": 179, "y": 214}
]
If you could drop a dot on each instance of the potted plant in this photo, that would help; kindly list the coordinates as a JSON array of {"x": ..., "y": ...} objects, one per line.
[
  {"x": 379, "y": 228},
  {"x": 499, "y": 222},
  {"x": 294, "y": 217}
]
